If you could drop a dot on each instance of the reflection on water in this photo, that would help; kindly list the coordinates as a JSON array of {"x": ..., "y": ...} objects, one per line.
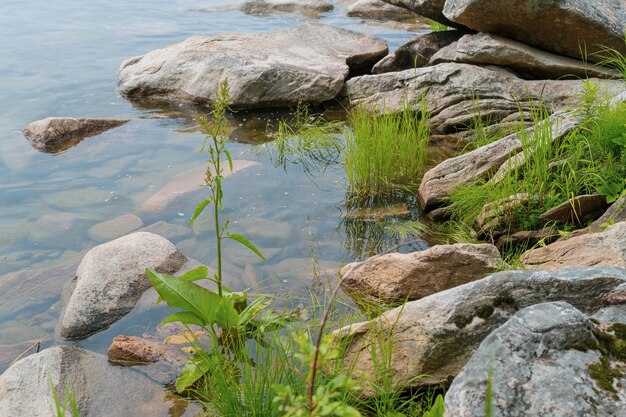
[{"x": 60, "y": 59}]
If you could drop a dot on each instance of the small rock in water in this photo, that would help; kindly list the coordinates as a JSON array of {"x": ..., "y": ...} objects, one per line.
[
  {"x": 56, "y": 134},
  {"x": 115, "y": 228}
]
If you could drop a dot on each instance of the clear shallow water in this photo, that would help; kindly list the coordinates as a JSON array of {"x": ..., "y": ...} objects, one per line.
[{"x": 60, "y": 59}]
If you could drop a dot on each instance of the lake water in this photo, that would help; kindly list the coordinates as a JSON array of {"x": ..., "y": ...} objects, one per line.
[{"x": 60, "y": 58}]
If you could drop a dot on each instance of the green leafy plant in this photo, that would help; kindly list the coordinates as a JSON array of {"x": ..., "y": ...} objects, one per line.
[
  {"x": 437, "y": 408},
  {"x": 436, "y": 26}
]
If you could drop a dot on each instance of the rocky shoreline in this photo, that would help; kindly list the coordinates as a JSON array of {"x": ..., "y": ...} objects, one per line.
[{"x": 542, "y": 336}]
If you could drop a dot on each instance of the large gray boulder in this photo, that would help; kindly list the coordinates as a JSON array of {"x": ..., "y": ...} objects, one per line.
[
  {"x": 615, "y": 213},
  {"x": 100, "y": 389},
  {"x": 607, "y": 248},
  {"x": 567, "y": 27},
  {"x": 479, "y": 164},
  {"x": 56, "y": 134},
  {"x": 546, "y": 360},
  {"x": 112, "y": 277},
  {"x": 417, "y": 52},
  {"x": 434, "y": 337},
  {"x": 308, "y": 63},
  {"x": 454, "y": 91},
  {"x": 398, "y": 277},
  {"x": 528, "y": 61}
]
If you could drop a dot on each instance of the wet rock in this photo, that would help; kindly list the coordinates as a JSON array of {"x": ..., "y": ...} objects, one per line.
[
  {"x": 397, "y": 277},
  {"x": 439, "y": 214},
  {"x": 378, "y": 9},
  {"x": 530, "y": 62},
  {"x": 417, "y": 52},
  {"x": 56, "y": 134},
  {"x": 263, "y": 7},
  {"x": 58, "y": 230},
  {"x": 186, "y": 184},
  {"x": 435, "y": 336},
  {"x": 542, "y": 361},
  {"x": 114, "y": 228},
  {"x": 432, "y": 9},
  {"x": 276, "y": 69},
  {"x": 616, "y": 213},
  {"x": 455, "y": 90},
  {"x": 265, "y": 229},
  {"x": 112, "y": 277},
  {"x": 161, "y": 361},
  {"x": 607, "y": 248},
  {"x": 576, "y": 210},
  {"x": 527, "y": 238},
  {"x": 563, "y": 27},
  {"x": 480, "y": 163},
  {"x": 99, "y": 388}
]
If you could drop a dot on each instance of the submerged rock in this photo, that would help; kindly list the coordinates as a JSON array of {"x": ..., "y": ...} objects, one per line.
[
  {"x": 417, "y": 52},
  {"x": 434, "y": 337},
  {"x": 397, "y": 277},
  {"x": 268, "y": 6},
  {"x": 186, "y": 184},
  {"x": 308, "y": 63},
  {"x": 378, "y": 9},
  {"x": 111, "y": 279},
  {"x": 567, "y": 27},
  {"x": 546, "y": 360},
  {"x": 114, "y": 228},
  {"x": 530, "y": 62},
  {"x": 100, "y": 389},
  {"x": 607, "y": 248},
  {"x": 56, "y": 134}
]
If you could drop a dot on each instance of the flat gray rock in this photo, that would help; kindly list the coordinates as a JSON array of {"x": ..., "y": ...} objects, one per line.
[
  {"x": 454, "y": 91},
  {"x": 434, "y": 337},
  {"x": 56, "y": 134},
  {"x": 263, "y": 7},
  {"x": 432, "y": 9},
  {"x": 101, "y": 390},
  {"x": 308, "y": 63},
  {"x": 111, "y": 279},
  {"x": 541, "y": 363},
  {"x": 528, "y": 61},
  {"x": 417, "y": 52},
  {"x": 563, "y": 26}
]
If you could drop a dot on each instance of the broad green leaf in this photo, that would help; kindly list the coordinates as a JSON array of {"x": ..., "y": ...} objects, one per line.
[
  {"x": 195, "y": 274},
  {"x": 230, "y": 159},
  {"x": 185, "y": 295},
  {"x": 253, "y": 309},
  {"x": 244, "y": 241},
  {"x": 193, "y": 370},
  {"x": 184, "y": 317},
  {"x": 199, "y": 209},
  {"x": 226, "y": 316}
]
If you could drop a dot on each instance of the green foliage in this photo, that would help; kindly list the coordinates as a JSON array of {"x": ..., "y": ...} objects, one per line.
[
  {"x": 590, "y": 159},
  {"x": 436, "y": 26},
  {"x": 386, "y": 152},
  {"x": 328, "y": 398},
  {"x": 613, "y": 58},
  {"x": 68, "y": 404},
  {"x": 437, "y": 409}
]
